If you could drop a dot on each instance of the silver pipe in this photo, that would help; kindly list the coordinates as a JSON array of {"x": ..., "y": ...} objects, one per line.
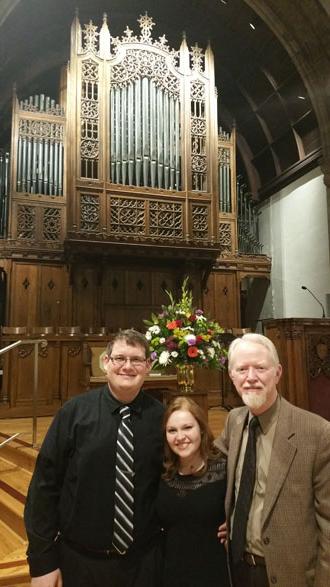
[
  {"x": 28, "y": 165},
  {"x": 153, "y": 134},
  {"x": 24, "y": 157},
  {"x": 124, "y": 134},
  {"x": 220, "y": 187},
  {"x": 60, "y": 169},
  {"x": 56, "y": 147},
  {"x": 40, "y": 165},
  {"x": 117, "y": 137},
  {"x": 145, "y": 130},
  {"x": 130, "y": 134},
  {"x": 112, "y": 137},
  {"x": 166, "y": 142},
  {"x": 138, "y": 137},
  {"x": 51, "y": 168},
  {"x": 46, "y": 167},
  {"x": 177, "y": 145},
  {"x": 160, "y": 137},
  {"x": 19, "y": 165},
  {"x": 171, "y": 140},
  {"x": 42, "y": 102},
  {"x": 229, "y": 188}
]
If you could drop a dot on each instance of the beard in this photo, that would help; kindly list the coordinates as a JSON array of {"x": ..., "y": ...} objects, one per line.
[{"x": 254, "y": 400}]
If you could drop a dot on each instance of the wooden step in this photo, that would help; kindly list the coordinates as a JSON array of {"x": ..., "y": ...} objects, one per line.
[
  {"x": 13, "y": 565},
  {"x": 12, "y": 509},
  {"x": 12, "y": 546},
  {"x": 15, "y": 575},
  {"x": 19, "y": 452},
  {"x": 15, "y": 476}
]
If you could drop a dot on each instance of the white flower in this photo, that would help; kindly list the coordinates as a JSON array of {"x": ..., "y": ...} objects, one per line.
[
  {"x": 201, "y": 318},
  {"x": 162, "y": 340},
  {"x": 174, "y": 354},
  {"x": 164, "y": 358},
  {"x": 190, "y": 339},
  {"x": 210, "y": 351},
  {"x": 154, "y": 329},
  {"x": 148, "y": 335}
]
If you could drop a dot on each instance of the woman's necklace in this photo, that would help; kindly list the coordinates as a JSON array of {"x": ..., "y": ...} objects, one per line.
[{"x": 189, "y": 470}]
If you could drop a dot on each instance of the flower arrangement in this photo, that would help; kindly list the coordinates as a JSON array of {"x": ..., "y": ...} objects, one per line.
[{"x": 182, "y": 335}]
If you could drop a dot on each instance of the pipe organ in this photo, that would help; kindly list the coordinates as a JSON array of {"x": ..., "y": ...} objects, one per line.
[{"x": 127, "y": 164}]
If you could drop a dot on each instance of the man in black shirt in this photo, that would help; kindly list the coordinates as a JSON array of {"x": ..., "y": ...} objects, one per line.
[{"x": 69, "y": 512}]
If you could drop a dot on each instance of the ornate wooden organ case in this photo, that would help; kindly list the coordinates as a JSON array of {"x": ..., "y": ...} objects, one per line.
[{"x": 121, "y": 188}]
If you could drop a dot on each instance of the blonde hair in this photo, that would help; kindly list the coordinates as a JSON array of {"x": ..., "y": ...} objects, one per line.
[
  {"x": 257, "y": 339},
  {"x": 207, "y": 449}
]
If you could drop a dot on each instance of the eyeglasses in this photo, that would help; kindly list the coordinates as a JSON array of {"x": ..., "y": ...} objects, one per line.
[{"x": 136, "y": 362}]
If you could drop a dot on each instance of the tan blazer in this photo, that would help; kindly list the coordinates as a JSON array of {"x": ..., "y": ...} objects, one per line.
[{"x": 296, "y": 514}]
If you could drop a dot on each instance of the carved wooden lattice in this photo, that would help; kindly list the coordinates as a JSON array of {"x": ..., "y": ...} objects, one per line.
[
  {"x": 225, "y": 237},
  {"x": 89, "y": 213},
  {"x": 198, "y": 137},
  {"x": 200, "y": 229},
  {"x": 26, "y": 222},
  {"x": 89, "y": 145},
  {"x": 127, "y": 216},
  {"x": 52, "y": 224},
  {"x": 166, "y": 220}
]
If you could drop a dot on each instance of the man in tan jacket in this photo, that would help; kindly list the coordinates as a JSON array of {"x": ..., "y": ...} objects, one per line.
[{"x": 283, "y": 538}]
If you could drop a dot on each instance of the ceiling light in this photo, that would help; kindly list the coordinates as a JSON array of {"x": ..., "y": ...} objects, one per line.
[
  {"x": 253, "y": 26},
  {"x": 302, "y": 97},
  {"x": 223, "y": 2}
]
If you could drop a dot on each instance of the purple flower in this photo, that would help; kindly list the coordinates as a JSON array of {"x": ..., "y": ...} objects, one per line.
[
  {"x": 199, "y": 312},
  {"x": 153, "y": 355}
]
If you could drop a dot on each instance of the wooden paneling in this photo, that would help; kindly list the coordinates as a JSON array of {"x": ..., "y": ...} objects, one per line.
[
  {"x": 220, "y": 299},
  {"x": 23, "y": 294},
  {"x": 39, "y": 295},
  {"x": 86, "y": 296},
  {"x": 18, "y": 375},
  {"x": 303, "y": 345},
  {"x": 54, "y": 297}
]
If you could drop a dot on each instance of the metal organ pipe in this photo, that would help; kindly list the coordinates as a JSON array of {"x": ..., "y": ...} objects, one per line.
[
  {"x": 39, "y": 156},
  {"x": 145, "y": 135}
]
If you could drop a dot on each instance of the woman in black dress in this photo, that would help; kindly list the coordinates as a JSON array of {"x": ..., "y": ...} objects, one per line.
[{"x": 190, "y": 502}]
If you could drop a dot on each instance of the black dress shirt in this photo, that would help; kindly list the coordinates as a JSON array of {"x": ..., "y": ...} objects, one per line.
[{"x": 72, "y": 488}]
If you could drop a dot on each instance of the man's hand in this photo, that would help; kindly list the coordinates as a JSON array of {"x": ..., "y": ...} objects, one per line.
[
  {"x": 53, "y": 579},
  {"x": 222, "y": 534}
]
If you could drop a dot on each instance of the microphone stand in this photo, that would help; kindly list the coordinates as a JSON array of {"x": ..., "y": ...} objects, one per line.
[{"x": 315, "y": 298}]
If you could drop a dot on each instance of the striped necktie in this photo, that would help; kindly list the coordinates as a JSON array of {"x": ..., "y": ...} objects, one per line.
[
  {"x": 245, "y": 493},
  {"x": 124, "y": 486}
]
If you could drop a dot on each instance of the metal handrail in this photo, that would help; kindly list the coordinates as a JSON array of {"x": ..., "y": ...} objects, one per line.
[{"x": 36, "y": 342}]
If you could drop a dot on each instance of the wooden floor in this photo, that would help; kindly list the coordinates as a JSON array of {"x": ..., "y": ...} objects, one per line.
[
  {"x": 216, "y": 416},
  {"x": 17, "y": 459}
]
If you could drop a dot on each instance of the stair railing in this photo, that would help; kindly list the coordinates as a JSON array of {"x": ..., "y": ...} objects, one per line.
[{"x": 35, "y": 342}]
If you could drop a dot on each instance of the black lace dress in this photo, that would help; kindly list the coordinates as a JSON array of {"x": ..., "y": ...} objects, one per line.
[{"x": 190, "y": 509}]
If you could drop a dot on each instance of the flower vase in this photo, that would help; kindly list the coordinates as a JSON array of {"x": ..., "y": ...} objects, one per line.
[{"x": 185, "y": 378}]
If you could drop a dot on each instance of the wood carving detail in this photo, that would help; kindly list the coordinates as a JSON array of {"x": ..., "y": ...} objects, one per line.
[{"x": 319, "y": 355}]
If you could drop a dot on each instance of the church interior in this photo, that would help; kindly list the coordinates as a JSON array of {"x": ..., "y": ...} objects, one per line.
[{"x": 142, "y": 143}]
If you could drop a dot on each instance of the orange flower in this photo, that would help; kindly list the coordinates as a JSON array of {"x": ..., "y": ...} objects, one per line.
[
  {"x": 171, "y": 325},
  {"x": 192, "y": 352}
]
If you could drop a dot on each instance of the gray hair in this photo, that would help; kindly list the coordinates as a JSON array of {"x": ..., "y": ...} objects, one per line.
[{"x": 256, "y": 339}]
